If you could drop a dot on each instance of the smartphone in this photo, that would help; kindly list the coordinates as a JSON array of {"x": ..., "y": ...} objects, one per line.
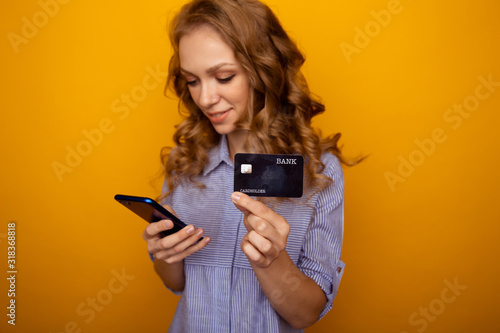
[{"x": 151, "y": 211}]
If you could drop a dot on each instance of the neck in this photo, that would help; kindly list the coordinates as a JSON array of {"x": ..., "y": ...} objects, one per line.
[{"x": 236, "y": 142}]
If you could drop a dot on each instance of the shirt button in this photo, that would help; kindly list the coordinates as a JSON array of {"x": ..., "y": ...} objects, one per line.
[{"x": 339, "y": 269}]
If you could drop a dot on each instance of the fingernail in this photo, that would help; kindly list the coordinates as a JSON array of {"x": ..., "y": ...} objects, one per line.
[
  {"x": 190, "y": 230},
  {"x": 200, "y": 233},
  {"x": 235, "y": 197}
]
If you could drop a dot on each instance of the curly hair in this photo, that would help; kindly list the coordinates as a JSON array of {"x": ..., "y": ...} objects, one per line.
[{"x": 280, "y": 107}]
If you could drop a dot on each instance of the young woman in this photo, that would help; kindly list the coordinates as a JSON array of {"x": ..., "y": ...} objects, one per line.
[{"x": 263, "y": 265}]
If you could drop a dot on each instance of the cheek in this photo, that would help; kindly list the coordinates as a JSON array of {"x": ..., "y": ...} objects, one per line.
[
  {"x": 194, "y": 94},
  {"x": 242, "y": 93}
]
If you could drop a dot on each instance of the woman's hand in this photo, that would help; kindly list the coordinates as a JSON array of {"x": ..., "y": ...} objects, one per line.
[
  {"x": 299, "y": 304},
  {"x": 267, "y": 231},
  {"x": 173, "y": 248}
]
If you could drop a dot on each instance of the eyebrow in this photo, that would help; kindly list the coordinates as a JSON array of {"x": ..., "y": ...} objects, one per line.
[{"x": 211, "y": 69}]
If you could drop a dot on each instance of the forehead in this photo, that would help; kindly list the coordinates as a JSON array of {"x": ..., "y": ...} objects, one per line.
[{"x": 202, "y": 48}]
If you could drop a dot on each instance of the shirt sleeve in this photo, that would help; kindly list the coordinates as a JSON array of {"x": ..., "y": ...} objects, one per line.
[{"x": 320, "y": 255}]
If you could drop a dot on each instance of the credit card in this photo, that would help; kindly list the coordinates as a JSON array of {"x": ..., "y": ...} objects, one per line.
[{"x": 269, "y": 175}]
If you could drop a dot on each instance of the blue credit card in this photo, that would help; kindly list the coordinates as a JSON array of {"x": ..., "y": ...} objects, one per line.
[{"x": 269, "y": 175}]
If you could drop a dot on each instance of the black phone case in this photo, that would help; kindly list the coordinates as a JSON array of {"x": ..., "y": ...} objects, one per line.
[{"x": 151, "y": 211}]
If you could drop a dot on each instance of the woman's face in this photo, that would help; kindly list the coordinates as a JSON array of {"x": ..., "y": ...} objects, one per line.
[{"x": 216, "y": 81}]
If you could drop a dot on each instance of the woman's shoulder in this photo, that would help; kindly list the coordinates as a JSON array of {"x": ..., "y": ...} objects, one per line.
[{"x": 333, "y": 167}]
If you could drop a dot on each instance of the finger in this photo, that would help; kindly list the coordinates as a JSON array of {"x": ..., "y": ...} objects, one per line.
[
  {"x": 248, "y": 206},
  {"x": 156, "y": 244},
  {"x": 154, "y": 229},
  {"x": 261, "y": 226},
  {"x": 188, "y": 251},
  {"x": 183, "y": 244},
  {"x": 170, "y": 209},
  {"x": 262, "y": 244},
  {"x": 175, "y": 238},
  {"x": 251, "y": 252}
]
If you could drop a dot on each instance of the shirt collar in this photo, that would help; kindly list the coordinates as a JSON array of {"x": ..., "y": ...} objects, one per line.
[{"x": 217, "y": 155}]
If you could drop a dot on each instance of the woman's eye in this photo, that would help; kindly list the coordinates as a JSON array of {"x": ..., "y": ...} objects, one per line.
[
  {"x": 191, "y": 83},
  {"x": 226, "y": 79}
]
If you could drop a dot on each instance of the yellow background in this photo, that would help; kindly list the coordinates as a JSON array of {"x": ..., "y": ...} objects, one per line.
[{"x": 403, "y": 242}]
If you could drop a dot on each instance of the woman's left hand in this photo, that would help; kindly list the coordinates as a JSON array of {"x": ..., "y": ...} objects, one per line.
[{"x": 267, "y": 231}]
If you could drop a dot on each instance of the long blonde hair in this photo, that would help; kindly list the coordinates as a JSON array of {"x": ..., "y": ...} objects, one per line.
[{"x": 280, "y": 105}]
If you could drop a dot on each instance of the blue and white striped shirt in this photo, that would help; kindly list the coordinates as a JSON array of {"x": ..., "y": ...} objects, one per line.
[{"x": 221, "y": 293}]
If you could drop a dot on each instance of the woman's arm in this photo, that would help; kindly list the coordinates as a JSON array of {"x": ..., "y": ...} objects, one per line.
[
  {"x": 169, "y": 252},
  {"x": 296, "y": 297},
  {"x": 172, "y": 275}
]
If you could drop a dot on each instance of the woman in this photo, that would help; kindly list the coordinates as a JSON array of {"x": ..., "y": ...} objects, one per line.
[{"x": 262, "y": 266}]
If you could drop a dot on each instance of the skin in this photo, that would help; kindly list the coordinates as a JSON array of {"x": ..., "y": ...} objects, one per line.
[{"x": 218, "y": 83}]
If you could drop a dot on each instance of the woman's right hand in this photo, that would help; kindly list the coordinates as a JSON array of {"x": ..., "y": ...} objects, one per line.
[{"x": 175, "y": 247}]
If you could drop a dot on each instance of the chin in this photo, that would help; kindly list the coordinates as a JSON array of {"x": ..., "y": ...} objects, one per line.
[{"x": 224, "y": 129}]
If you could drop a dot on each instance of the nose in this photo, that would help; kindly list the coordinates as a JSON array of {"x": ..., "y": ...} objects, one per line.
[{"x": 208, "y": 95}]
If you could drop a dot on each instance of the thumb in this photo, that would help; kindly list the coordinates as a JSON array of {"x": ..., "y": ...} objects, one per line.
[
  {"x": 235, "y": 198},
  {"x": 170, "y": 209}
]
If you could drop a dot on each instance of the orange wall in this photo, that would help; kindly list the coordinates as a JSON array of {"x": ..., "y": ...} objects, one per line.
[{"x": 404, "y": 81}]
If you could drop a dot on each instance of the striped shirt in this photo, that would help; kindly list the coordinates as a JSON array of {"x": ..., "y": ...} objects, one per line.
[{"x": 221, "y": 293}]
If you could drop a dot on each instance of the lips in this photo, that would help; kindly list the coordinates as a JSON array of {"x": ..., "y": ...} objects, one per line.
[{"x": 218, "y": 117}]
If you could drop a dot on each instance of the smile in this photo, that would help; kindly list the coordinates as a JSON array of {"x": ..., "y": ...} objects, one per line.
[{"x": 218, "y": 117}]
